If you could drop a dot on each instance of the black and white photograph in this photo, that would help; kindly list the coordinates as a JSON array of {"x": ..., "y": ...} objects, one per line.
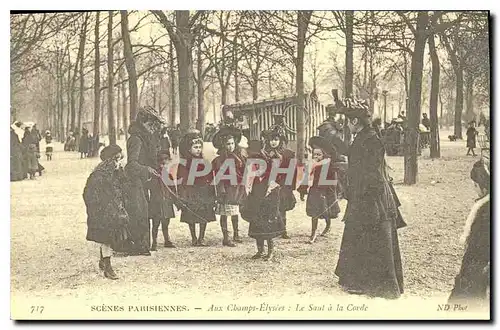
[{"x": 250, "y": 164}]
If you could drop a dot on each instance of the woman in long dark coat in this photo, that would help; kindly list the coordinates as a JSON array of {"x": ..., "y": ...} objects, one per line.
[
  {"x": 16, "y": 157},
  {"x": 473, "y": 280},
  {"x": 30, "y": 153},
  {"x": 107, "y": 219},
  {"x": 369, "y": 260},
  {"x": 471, "y": 138},
  {"x": 83, "y": 147},
  {"x": 142, "y": 149},
  {"x": 197, "y": 198}
]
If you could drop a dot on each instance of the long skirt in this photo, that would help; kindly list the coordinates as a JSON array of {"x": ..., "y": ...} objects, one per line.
[{"x": 370, "y": 260}]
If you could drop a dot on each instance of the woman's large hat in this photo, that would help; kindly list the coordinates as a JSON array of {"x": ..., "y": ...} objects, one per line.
[
  {"x": 323, "y": 144},
  {"x": 224, "y": 131},
  {"x": 353, "y": 108},
  {"x": 148, "y": 113}
]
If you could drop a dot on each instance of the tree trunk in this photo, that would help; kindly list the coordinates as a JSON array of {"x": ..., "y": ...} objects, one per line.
[
  {"x": 441, "y": 119},
  {"x": 200, "y": 92},
  {"x": 223, "y": 93},
  {"x": 469, "y": 96},
  {"x": 236, "y": 78},
  {"x": 255, "y": 88},
  {"x": 349, "y": 66},
  {"x": 83, "y": 37},
  {"x": 118, "y": 112},
  {"x": 459, "y": 102},
  {"x": 270, "y": 85},
  {"x": 303, "y": 18},
  {"x": 68, "y": 91},
  {"x": 111, "y": 88},
  {"x": 97, "y": 81},
  {"x": 185, "y": 68},
  {"x": 411, "y": 134},
  {"x": 433, "y": 104},
  {"x": 130, "y": 64},
  {"x": 125, "y": 113},
  {"x": 172, "y": 86}
]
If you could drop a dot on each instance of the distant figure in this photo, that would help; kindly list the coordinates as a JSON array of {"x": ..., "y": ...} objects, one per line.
[
  {"x": 49, "y": 148},
  {"x": 30, "y": 156},
  {"x": 426, "y": 122},
  {"x": 16, "y": 157},
  {"x": 37, "y": 137},
  {"x": 471, "y": 138},
  {"x": 83, "y": 148},
  {"x": 175, "y": 136}
]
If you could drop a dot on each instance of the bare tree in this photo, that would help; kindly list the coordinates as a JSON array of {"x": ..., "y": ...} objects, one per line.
[
  {"x": 111, "y": 117},
  {"x": 433, "y": 103},
  {"x": 97, "y": 82},
  {"x": 130, "y": 64}
]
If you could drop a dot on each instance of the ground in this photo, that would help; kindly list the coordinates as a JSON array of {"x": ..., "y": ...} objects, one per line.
[{"x": 50, "y": 258}]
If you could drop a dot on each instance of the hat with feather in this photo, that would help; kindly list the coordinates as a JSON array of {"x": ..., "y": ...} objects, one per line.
[
  {"x": 353, "y": 108},
  {"x": 149, "y": 114}
]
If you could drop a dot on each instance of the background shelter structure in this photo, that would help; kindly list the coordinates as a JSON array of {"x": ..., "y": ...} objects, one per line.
[{"x": 259, "y": 115}]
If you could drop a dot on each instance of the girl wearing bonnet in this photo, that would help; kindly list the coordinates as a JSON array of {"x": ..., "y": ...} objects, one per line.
[{"x": 230, "y": 193}]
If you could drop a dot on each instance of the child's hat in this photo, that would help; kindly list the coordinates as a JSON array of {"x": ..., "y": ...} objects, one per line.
[
  {"x": 225, "y": 131},
  {"x": 110, "y": 151},
  {"x": 323, "y": 144}
]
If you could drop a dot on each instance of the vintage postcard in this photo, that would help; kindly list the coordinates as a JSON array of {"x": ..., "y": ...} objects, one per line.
[{"x": 250, "y": 165}]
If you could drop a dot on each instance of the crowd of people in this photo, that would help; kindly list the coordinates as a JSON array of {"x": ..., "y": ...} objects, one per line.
[
  {"x": 122, "y": 199},
  {"x": 25, "y": 153}
]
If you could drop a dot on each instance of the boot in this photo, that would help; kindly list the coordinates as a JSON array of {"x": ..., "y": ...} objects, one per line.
[
  {"x": 270, "y": 250},
  {"x": 101, "y": 261},
  {"x": 108, "y": 270},
  {"x": 327, "y": 228},
  {"x": 166, "y": 238},
  {"x": 201, "y": 238},
  {"x": 192, "y": 230},
  {"x": 225, "y": 233},
  {"x": 236, "y": 236},
  {"x": 285, "y": 234},
  {"x": 260, "y": 250}
]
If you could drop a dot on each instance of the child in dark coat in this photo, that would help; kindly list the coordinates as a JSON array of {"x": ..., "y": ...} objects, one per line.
[
  {"x": 229, "y": 193},
  {"x": 161, "y": 204},
  {"x": 196, "y": 195},
  {"x": 107, "y": 221},
  {"x": 322, "y": 197}
]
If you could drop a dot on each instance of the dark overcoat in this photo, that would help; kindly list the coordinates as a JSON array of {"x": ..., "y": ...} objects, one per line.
[
  {"x": 141, "y": 154},
  {"x": 369, "y": 258},
  {"x": 263, "y": 212},
  {"x": 197, "y": 198},
  {"x": 107, "y": 219},
  {"x": 231, "y": 193},
  {"x": 473, "y": 280}
]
